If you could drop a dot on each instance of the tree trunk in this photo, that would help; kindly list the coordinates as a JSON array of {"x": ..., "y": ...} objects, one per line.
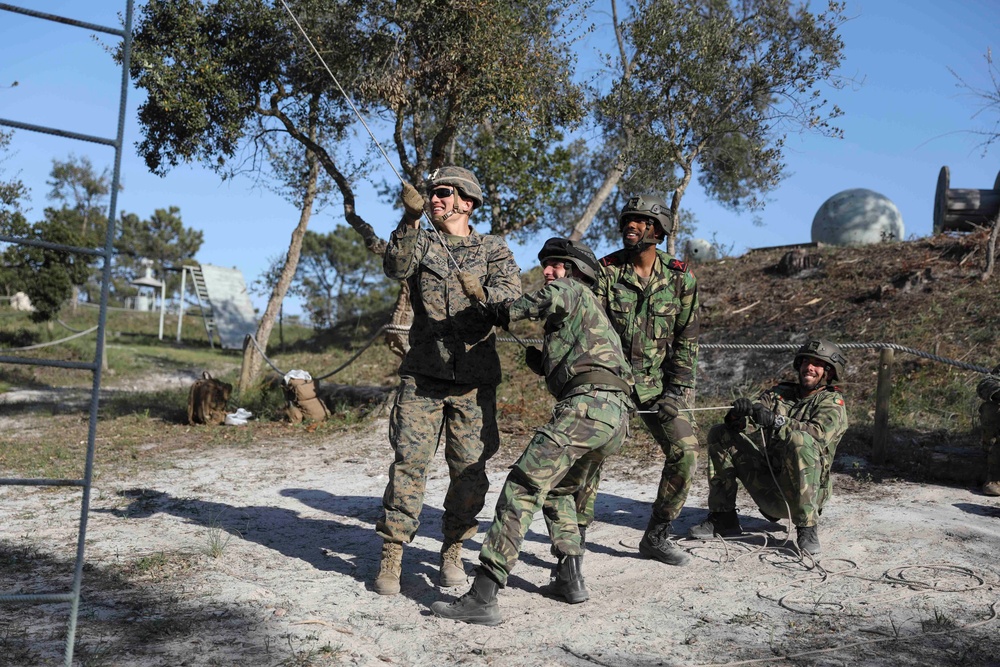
[
  {"x": 252, "y": 359},
  {"x": 616, "y": 172},
  {"x": 603, "y": 192},
  {"x": 991, "y": 249}
]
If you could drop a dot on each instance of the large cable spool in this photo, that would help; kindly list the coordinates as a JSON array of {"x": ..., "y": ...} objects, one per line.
[{"x": 961, "y": 209}]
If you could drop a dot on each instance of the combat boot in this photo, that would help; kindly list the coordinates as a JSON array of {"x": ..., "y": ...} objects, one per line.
[
  {"x": 991, "y": 488},
  {"x": 656, "y": 543},
  {"x": 568, "y": 580},
  {"x": 807, "y": 537},
  {"x": 387, "y": 581},
  {"x": 718, "y": 524},
  {"x": 452, "y": 570},
  {"x": 478, "y": 606}
]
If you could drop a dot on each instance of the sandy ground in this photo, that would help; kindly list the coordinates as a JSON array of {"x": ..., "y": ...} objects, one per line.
[{"x": 265, "y": 556}]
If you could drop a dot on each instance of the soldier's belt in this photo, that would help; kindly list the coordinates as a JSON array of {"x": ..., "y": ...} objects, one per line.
[{"x": 595, "y": 377}]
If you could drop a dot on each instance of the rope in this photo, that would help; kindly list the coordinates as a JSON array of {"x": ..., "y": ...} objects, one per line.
[
  {"x": 357, "y": 113},
  {"x": 54, "y": 342},
  {"x": 66, "y": 326},
  {"x": 394, "y": 328},
  {"x": 850, "y": 346}
]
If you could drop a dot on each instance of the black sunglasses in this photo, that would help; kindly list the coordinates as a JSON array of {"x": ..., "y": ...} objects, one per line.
[{"x": 442, "y": 193}]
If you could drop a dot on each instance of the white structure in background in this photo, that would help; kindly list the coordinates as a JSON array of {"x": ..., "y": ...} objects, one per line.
[
  {"x": 148, "y": 286},
  {"x": 225, "y": 304},
  {"x": 21, "y": 301},
  {"x": 699, "y": 250},
  {"x": 857, "y": 217}
]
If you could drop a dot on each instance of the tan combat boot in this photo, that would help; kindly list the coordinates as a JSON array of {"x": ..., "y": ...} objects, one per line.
[
  {"x": 452, "y": 569},
  {"x": 992, "y": 488},
  {"x": 387, "y": 581}
]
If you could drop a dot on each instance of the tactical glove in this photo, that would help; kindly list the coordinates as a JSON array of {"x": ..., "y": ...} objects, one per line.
[
  {"x": 670, "y": 403},
  {"x": 473, "y": 289},
  {"x": 989, "y": 389},
  {"x": 533, "y": 359},
  {"x": 742, "y": 408},
  {"x": 767, "y": 418},
  {"x": 498, "y": 313},
  {"x": 413, "y": 203}
]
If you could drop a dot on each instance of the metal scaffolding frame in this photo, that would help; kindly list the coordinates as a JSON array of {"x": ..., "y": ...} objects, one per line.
[{"x": 106, "y": 253}]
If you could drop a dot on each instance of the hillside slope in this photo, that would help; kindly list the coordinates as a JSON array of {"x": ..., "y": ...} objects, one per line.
[{"x": 925, "y": 294}]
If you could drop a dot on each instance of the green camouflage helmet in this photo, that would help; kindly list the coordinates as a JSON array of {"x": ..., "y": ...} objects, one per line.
[
  {"x": 826, "y": 351},
  {"x": 461, "y": 178},
  {"x": 648, "y": 206},
  {"x": 579, "y": 255}
]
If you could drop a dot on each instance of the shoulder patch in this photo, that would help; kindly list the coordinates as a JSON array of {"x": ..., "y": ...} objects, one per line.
[
  {"x": 614, "y": 259},
  {"x": 677, "y": 265}
]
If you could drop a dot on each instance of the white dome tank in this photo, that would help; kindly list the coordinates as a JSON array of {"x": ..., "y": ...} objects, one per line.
[
  {"x": 857, "y": 217},
  {"x": 699, "y": 250}
]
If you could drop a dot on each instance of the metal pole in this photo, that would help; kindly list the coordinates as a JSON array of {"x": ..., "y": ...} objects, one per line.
[{"x": 180, "y": 303}]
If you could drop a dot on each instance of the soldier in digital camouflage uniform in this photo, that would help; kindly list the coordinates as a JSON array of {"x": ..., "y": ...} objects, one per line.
[
  {"x": 989, "y": 419},
  {"x": 781, "y": 448},
  {"x": 652, "y": 301},
  {"x": 584, "y": 367},
  {"x": 448, "y": 378}
]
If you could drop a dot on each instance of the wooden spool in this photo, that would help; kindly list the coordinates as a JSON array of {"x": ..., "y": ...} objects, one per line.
[{"x": 963, "y": 210}]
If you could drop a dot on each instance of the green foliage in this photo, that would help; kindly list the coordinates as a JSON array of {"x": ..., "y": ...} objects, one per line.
[
  {"x": 446, "y": 76},
  {"x": 339, "y": 279},
  {"x": 162, "y": 240},
  {"x": 47, "y": 276},
  {"x": 13, "y": 191},
  {"x": 717, "y": 85}
]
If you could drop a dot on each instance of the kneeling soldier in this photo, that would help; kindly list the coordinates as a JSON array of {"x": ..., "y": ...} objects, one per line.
[{"x": 788, "y": 474}]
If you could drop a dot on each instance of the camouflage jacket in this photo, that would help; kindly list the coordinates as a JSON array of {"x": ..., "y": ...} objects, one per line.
[
  {"x": 658, "y": 324},
  {"x": 821, "y": 415},
  {"x": 578, "y": 337},
  {"x": 450, "y": 339}
]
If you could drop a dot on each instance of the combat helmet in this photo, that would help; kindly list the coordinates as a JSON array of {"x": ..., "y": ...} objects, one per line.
[
  {"x": 579, "y": 255},
  {"x": 461, "y": 178},
  {"x": 652, "y": 207},
  {"x": 826, "y": 351}
]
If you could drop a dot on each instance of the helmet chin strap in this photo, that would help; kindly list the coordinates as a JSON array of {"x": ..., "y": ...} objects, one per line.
[{"x": 454, "y": 209}]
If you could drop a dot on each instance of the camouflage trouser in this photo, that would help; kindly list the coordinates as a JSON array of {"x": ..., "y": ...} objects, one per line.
[
  {"x": 423, "y": 410},
  {"x": 989, "y": 420},
  {"x": 584, "y": 430},
  {"x": 802, "y": 472},
  {"x": 680, "y": 447}
]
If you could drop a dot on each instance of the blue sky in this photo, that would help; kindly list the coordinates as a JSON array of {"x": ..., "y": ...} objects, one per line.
[{"x": 905, "y": 118}]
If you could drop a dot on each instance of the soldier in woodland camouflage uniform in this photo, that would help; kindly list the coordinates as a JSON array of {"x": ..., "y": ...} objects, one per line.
[
  {"x": 585, "y": 369},
  {"x": 652, "y": 300},
  {"x": 989, "y": 419},
  {"x": 785, "y": 467},
  {"x": 449, "y": 376}
]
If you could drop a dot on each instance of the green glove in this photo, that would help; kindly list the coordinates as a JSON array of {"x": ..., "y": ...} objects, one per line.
[
  {"x": 471, "y": 286},
  {"x": 670, "y": 403},
  {"x": 413, "y": 203}
]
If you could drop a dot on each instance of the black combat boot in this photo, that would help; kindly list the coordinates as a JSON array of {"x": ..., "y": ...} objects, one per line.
[
  {"x": 656, "y": 543},
  {"x": 478, "y": 606},
  {"x": 807, "y": 537},
  {"x": 568, "y": 580},
  {"x": 718, "y": 524}
]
